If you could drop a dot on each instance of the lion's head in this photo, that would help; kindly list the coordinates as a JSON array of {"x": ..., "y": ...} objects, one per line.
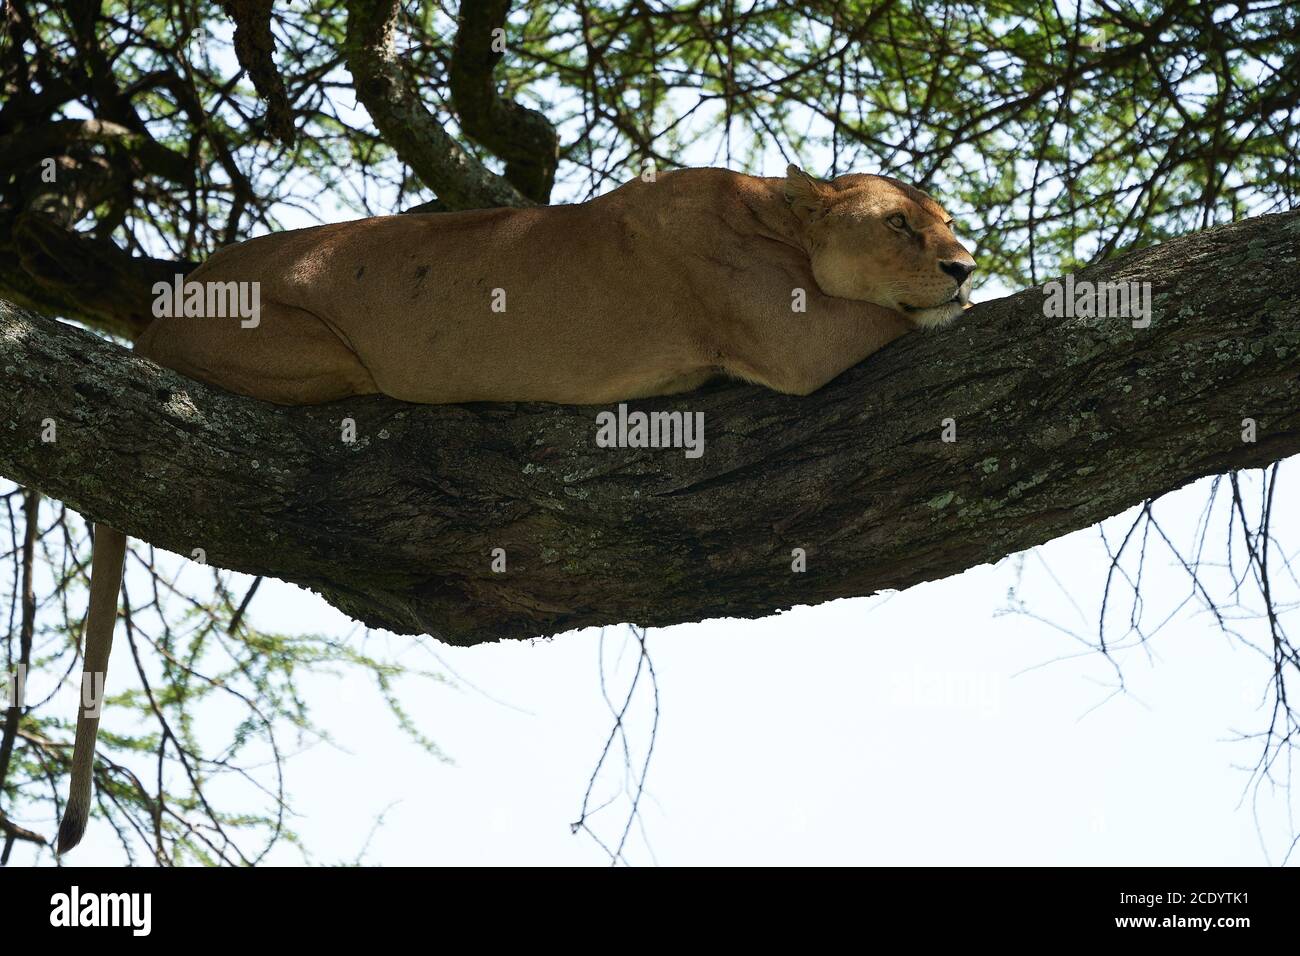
[{"x": 879, "y": 240}]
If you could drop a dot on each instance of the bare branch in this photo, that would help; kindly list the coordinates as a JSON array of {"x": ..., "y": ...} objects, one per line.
[
  {"x": 255, "y": 48},
  {"x": 48, "y": 139},
  {"x": 523, "y": 137},
  {"x": 460, "y": 180}
]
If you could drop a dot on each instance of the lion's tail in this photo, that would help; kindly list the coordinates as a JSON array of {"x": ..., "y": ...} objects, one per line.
[{"x": 109, "y": 552}]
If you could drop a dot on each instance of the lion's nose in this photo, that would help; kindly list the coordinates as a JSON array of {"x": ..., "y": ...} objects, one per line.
[{"x": 958, "y": 270}]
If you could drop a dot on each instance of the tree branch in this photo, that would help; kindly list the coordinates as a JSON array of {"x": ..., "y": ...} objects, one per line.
[
  {"x": 460, "y": 180},
  {"x": 56, "y": 137},
  {"x": 524, "y": 138},
  {"x": 255, "y": 49},
  {"x": 1060, "y": 423}
]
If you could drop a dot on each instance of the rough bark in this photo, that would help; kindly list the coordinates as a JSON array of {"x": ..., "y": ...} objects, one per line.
[{"x": 1060, "y": 423}]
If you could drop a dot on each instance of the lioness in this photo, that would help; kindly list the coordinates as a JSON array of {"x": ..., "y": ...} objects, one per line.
[{"x": 649, "y": 290}]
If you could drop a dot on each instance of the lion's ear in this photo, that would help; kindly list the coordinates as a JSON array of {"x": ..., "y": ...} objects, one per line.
[{"x": 806, "y": 194}]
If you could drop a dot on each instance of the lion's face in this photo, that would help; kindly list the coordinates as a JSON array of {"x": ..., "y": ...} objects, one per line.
[{"x": 878, "y": 240}]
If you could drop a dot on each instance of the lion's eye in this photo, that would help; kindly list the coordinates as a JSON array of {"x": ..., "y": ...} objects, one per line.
[{"x": 897, "y": 221}]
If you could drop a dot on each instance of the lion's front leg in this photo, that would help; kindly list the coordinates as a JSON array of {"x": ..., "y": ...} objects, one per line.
[{"x": 798, "y": 352}]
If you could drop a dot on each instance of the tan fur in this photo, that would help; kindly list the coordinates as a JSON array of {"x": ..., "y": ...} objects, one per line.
[
  {"x": 649, "y": 290},
  {"x": 101, "y": 618}
]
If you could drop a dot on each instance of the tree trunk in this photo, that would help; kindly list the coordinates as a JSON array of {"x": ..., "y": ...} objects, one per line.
[{"x": 1059, "y": 423}]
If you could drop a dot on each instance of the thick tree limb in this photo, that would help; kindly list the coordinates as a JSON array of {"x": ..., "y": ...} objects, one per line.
[
  {"x": 1060, "y": 423},
  {"x": 524, "y": 138},
  {"x": 460, "y": 180}
]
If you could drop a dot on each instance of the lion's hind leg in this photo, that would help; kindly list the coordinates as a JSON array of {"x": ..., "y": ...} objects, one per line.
[{"x": 290, "y": 356}]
